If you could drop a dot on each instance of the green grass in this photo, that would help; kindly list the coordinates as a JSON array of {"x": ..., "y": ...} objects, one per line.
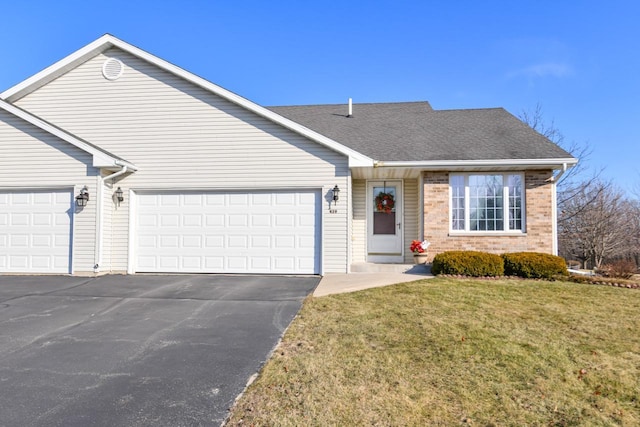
[{"x": 456, "y": 352}]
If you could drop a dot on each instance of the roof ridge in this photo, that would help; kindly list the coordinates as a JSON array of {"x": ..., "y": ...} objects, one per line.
[
  {"x": 354, "y": 103},
  {"x": 470, "y": 109}
]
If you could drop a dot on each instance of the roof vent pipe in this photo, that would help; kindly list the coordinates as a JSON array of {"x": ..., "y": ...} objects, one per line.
[{"x": 350, "y": 108}]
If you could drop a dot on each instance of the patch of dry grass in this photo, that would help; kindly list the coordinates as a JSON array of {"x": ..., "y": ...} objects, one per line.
[{"x": 456, "y": 352}]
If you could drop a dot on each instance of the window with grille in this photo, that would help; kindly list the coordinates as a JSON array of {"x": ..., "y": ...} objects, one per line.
[{"x": 487, "y": 202}]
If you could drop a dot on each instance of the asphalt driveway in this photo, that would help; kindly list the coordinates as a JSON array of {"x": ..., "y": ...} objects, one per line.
[{"x": 136, "y": 350}]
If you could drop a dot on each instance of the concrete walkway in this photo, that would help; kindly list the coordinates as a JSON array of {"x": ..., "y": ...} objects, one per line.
[{"x": 337, "y": 283}]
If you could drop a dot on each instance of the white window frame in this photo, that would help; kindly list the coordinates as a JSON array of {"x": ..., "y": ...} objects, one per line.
[{"x": 505, "y": 205}]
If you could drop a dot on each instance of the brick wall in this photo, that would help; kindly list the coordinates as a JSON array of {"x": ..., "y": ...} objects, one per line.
[{"x": 539, "y": 226}]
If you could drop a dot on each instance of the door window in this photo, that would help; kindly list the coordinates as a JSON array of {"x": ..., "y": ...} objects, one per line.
[{"x": 384, "y": 210}]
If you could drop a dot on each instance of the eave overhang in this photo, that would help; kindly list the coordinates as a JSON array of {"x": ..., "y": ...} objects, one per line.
[
  {"x": 412, "y": 169},
  {"x": 484, "y": 164}
]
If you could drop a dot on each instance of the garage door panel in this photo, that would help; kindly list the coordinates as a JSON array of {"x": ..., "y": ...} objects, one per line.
[
  {"x": 237, "y": 242},
  {"x": 61, "y": 262},
  {"x": 191, "y": 263},
  {"x": 261, "y": 220},
  {"x": 213, "y": 242},
  {"x": 250, "y": 232},
  {"x": 192, "y": 220},
  {"x": 192, "y": 241},
  {"x": 236, "y": 263},
  {"x": 238, "y": 220},
  {"x": 18, "y": 262},
  {"x": 41, "y": 262},
  {"x": 214, "y": 220},
  {"x": 62, "y": 219},
  {"x": 261, "y": 242},
  {"x": 214, "y": 264},
  {"x": 42, "y": 240},
  {"x": 18, "y": 219}
]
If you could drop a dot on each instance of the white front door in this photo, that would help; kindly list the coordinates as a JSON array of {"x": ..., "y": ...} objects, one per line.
[{"x": 384, "y": 221}]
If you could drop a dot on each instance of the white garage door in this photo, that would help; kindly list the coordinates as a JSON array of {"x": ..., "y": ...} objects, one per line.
[
  {"x": 248, "y": 232},
  {"x": 35, "y": 231}
]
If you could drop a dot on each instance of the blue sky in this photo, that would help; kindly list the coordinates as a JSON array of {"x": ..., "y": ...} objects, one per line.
[{"x": 579, "y": 60}]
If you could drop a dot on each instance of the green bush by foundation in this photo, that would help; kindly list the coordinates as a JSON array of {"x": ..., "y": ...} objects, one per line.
[
  {"x": 468, "y": 263},
  {"x": 534, "y": 265}
]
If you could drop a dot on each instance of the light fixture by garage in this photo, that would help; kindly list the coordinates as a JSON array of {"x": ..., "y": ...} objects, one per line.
[
  {"x": 119, "y": 195},
  {"x": 83, "y": 197},
  {"x": 336, "y": 194}
]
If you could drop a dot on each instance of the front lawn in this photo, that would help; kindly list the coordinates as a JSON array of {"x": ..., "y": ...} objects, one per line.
[{"x": 456, "y": 352}]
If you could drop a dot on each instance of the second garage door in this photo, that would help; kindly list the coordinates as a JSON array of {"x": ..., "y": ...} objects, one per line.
[{"x": 274, "y": 232}]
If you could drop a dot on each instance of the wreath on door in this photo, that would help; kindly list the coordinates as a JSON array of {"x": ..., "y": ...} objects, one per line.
[{"x": 385, "y": 202}]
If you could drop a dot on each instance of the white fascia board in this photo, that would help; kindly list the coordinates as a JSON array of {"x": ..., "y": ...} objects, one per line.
[
  {"x": 100, "y": 158},
  {"x": 103, "y": 160},
  {"x": 108, "y": 41},
  {"x": 501, "y": 163}
]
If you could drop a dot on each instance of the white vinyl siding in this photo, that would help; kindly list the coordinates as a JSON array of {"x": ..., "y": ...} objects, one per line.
[
  {"x": 359, "y": 222},
  {"x": 183, "y": 137},
  {"x": 411, "y": 215},
  {"x": 33, "y": 159}
]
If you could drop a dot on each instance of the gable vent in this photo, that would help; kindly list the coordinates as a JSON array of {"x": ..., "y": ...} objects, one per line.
[{"x": 112, "y": 69}]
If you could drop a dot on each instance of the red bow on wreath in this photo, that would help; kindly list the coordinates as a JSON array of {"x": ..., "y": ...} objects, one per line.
[{"x": 385, "y": 202}]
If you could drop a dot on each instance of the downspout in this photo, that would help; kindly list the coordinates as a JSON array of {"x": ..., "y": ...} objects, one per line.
[
  {"x": 559, "y": 175},
  {"x": 100, "y": 207},
  {"x": 554, "y": 209}
]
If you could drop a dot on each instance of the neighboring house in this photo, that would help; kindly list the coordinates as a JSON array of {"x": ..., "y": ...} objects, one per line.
[{"x": 212, "y": 182}]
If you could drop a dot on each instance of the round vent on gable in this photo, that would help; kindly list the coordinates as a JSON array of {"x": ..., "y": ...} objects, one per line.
[{"x": 112, "y": 69}]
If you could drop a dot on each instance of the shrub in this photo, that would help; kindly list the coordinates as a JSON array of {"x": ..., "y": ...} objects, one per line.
[
  {"x": 534, "y": 265},
  {"x": 468, "y": 263},
  {"x": 622, "y": 269}
]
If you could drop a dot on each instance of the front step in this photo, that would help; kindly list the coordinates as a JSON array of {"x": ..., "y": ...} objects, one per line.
[{"x": 369, "y": 267}]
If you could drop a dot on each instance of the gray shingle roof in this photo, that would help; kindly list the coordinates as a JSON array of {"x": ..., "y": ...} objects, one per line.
[{"x": 413, "y": 131}]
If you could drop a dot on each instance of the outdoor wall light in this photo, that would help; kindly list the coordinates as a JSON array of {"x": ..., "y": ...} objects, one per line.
[
  {"x": 336, "y": 193},
  {"x": 83, "y": 197},
  {"x": 119, "y": 195}
]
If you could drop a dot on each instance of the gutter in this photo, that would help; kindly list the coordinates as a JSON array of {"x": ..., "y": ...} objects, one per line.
[
  {"x": 557, "y": 177},
  {"x": 444, "y": 164},
  {"x": 100, "y": 214}
]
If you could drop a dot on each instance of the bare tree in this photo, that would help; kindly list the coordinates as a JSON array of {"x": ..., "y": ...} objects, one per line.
[
  {"x": 575, "y": 179},
  {"x": 600, "y": 224},
  {"x": 634, "y": 230}
]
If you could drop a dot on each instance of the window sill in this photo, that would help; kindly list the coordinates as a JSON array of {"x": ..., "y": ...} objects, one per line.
[{"x": 487, "y": 233}]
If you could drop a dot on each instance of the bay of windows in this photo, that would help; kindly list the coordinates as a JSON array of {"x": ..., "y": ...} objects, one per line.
[{"x": 487, "y": 202}]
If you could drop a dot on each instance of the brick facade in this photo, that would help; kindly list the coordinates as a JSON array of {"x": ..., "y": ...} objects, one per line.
[{"x": 539, "y": 219}]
